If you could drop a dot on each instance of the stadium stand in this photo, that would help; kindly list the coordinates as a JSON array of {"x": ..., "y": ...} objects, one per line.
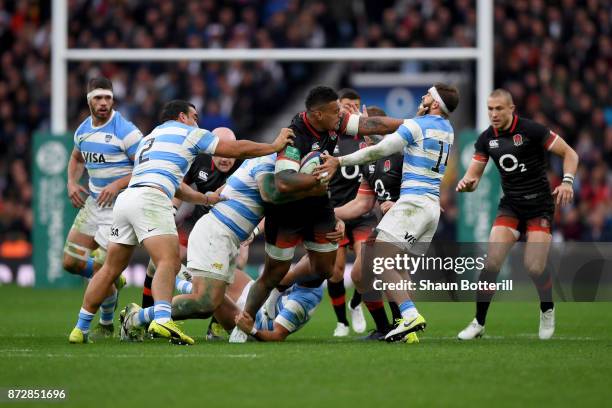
[{"x": 568, "y": 88}]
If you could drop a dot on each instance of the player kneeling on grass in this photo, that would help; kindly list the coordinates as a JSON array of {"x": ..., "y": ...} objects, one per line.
[
  {"x": 518, "y": 148},
  {"x": 214, "y": 245}
]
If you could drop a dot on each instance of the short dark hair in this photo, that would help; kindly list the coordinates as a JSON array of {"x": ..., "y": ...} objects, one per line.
[
  {"x": 449, "y": 94},
  {"x": 348, "y": 93},
  {"x": 320, "y": 95},
  {"x": 172, "y": 109},
  {"x": 100, "y": 82},
  {"x": 501, "y": 92},
  {"x": 376, "y": 111}
]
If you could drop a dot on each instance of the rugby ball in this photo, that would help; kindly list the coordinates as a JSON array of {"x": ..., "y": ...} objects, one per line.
[{"x": 310, "y": 162}]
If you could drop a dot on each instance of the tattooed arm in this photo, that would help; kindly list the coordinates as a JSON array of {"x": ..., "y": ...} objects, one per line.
[
  {"x": 378, "y": 125},
  {"x": 270, "y": 193}
]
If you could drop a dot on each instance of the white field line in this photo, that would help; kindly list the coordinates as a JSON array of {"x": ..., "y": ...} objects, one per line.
[
  {"x": 533, "y": 336},
  {"x": 24, "y": 353}
]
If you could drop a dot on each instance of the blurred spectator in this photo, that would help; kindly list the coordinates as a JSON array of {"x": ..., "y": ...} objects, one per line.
[{"x": 553, "y": 56}]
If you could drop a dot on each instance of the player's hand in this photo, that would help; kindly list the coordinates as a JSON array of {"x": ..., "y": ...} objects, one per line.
[
  {"x": 211, "y": 198},
  {"x": 284, "y": 138},
  {"x": 74, "y": 193},
  {"x": 466, "y": 185},
  {"x": 108, "y": 194},
  {"x": 386, "y": 206},
  {"x": 244, "y": 321},
  {"x": 248, "y": 241},
  {"x": 350, "y": 108},
  {"x": 364, "y": 111},
  {"x": 326, "y": 171},
  {"x": 338, "y": 233},
  {"x": 422, "y": 110},
  {"x": 564, "y": 194}
]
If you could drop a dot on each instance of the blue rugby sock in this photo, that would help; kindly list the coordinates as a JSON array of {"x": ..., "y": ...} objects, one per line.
[
  {"x": 107, "y": 309},
  {"x": 162, "y": 311},
  {"x": 84, "y": 321},
  {"x": 183, "y": 287},
  {"x": 89, "y": 269}
]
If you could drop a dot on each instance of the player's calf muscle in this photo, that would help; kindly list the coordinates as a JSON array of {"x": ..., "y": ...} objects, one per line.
[
  {"x": 188, "y": 306},
  {"x": 73, "y": 265}
]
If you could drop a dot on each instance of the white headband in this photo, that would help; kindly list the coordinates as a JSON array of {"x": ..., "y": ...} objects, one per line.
[
  {"x": 434, "y": 94},
  {"x": 99, "y": 92}
]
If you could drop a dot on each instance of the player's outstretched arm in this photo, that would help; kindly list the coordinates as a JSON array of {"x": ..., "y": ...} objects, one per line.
[
  {"x": 244, "y": 149},
  {"x": 564, "y": 192},
  {"x": 186, "y": 193},
  {"x": 353, "y": 123},
  {"x": 245, "y": 322},
  {"x": 362, "y": 203},
  {"x": 472, "y": 176},
  {"x": 76, "y": 167},
  {"x": 271, "y": 194},
  {"x": 389, "y": 145}
]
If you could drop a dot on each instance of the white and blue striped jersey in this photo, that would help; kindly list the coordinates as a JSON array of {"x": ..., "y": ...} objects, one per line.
[
  {"x": 243, "y": 209},
  {"x": 293, "y": 309},
  {"x": 428, "y": 142},
  {"x": 165, "y": 154},
  {"x": 107, "y": 150}
]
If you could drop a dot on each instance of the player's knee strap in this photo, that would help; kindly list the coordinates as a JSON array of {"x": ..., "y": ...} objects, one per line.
[
  {"x": 320, "y": 247},
  {"x": 279, "y": 254},
  {"x": 77, "y": 251}
]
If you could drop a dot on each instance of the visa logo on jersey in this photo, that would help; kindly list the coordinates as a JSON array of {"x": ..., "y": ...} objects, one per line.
[{"x": 94, "y": 157}]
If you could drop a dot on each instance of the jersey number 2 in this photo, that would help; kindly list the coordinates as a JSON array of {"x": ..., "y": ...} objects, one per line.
[
  {"x": 436, "y": 168},
  {"x": 148, "y": 147}
]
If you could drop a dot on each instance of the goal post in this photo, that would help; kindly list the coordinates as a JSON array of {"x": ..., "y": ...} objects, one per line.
[{"x": 61, "y": 55}]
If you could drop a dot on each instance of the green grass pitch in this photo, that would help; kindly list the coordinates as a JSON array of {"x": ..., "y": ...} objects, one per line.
[{"x": 509, "y": 368}]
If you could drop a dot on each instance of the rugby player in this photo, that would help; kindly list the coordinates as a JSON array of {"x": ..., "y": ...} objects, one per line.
[
  {"x": 518, "y": 147},
  {"x": 380, "y": 185},
  {"x": 308, "y": 220},
  {"x": 206, "y": 174},
  {"x": 342, "y": 189},
  {"x": 426, "y": 141},
  {"x": 143, "y": 213},
  {"x": 104, "y": 144},
  {"x": 214, "y": 245}
]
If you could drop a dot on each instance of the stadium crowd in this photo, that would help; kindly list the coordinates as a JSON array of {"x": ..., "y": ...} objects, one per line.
[{"x": 553, "y": 56}]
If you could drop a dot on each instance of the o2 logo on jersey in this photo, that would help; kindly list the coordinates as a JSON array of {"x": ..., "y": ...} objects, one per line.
[
  {"x": 509, "y": 162},
  {"x": 517, "y": 139},
  {"x": 345, "y": 172},
  {"x": 381, "y": 192},
  {"x": 94, "y": 157}
]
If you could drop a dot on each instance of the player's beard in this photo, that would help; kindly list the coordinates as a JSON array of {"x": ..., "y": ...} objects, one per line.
[{"x": 101, "y": 116}]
